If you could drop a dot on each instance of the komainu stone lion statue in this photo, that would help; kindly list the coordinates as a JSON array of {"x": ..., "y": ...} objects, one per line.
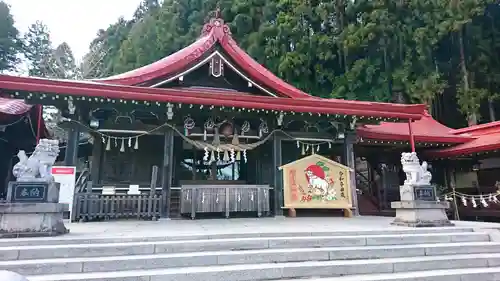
[
  {"x": 416, "y": 174},
  {"x": 37, "y": 167}
]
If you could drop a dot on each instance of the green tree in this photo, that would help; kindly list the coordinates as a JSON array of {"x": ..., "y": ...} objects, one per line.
[
  {"x": 10, "y": 43},
  {"x": 38, "y": 51},
  {"x": 444, "y": 53}
]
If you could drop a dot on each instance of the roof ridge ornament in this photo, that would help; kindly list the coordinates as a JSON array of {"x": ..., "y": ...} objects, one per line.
[
  {"x": 216, "y": 26},
  {"x": 218, "y": 14}
]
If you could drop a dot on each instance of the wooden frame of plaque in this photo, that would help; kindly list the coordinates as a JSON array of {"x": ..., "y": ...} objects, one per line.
[{"x": 316, "y": 182}]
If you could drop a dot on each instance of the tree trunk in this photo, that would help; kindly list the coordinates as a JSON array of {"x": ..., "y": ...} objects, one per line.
[
  {"x": 472, "y": 118},
  {"x": 491, "y": 109}
]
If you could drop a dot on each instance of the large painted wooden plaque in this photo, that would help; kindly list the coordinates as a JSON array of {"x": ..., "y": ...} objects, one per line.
[{"x": 316, "y": 182}]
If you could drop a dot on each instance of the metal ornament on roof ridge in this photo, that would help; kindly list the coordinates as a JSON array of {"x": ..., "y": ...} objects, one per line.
[{"x": 216, "y": 26}]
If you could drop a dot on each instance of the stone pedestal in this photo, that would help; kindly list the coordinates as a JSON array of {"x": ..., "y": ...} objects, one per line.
[
  {"x": 31, "y": 219},
  {"x": 11, "y": 276},
  {"x": 32, "y": 209},
  {"x": 418, "y": 207},
  {"x": 421, "y": 213}
]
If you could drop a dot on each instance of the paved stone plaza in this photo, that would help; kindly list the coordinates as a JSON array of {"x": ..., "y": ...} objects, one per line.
[
  {"x": 245, "y": 225},
  {"x": 304, "y": 249}
]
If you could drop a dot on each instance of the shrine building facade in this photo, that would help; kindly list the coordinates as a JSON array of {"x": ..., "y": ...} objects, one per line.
[{"x": 208, "y": 116}]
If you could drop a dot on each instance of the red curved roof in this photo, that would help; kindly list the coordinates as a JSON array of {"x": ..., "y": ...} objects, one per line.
[
  {"x": 424, "y": 130},
  {"x": 482, "y": 143},
  {"x": 486, "y": 137},
  {"x": 212, "y": 97},
  {"x": 213, "y": 32},
  {"x": 13, "y": 106}
]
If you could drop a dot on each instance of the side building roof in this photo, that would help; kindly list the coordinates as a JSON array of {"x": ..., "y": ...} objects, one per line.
[{"x": 427, "y": 129}]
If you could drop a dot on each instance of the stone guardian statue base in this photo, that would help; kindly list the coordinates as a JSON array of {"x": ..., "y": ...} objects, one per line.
[
  {"x": 419, "y": 206},
  {"x": 32, "y": 207}
]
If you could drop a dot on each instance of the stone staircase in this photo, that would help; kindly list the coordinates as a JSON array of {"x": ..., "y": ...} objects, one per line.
[{"x": 456, "y": 254}]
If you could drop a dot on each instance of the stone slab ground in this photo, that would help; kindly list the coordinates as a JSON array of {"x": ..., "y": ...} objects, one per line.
[{"x": 322, "y": 249}]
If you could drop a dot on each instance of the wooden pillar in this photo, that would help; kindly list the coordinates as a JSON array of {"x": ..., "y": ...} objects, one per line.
[
  {"x": 71, "y": 155},
  {"x": 277, "y": 175},
  {"x": 350, "y": 161},
  {"x": 95, "y": 167},
  {"x": 167, "y": 171},
  {"x": 412, "y": 138}
]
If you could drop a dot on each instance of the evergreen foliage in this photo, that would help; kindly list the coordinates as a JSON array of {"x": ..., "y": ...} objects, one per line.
[{"x": 445, "y": 53}]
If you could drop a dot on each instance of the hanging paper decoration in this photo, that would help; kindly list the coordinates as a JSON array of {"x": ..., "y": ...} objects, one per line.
[
  {"x": 129, "y": 142},
  {"x": 464, "y": 201},
  {"x": 483, "y": 202},
  {"x": 495, "y": 200},
  {"x": 303, "y": 150},
  {"x": 218, "y": 154},
  {"x": 206, "y": 154},
  {"x": 232, "y": 155},
  {"x": 474, "y": 204},
  {"x": 236, "y": 140},
  {"x": 245, "y": 128},
  {"x": 216, "y": 140},
  {"x": 122, "y": 147},
  {"x": 136, "y": 145},
  {"x": 212, "y": 157},
  {"x": 238, "y": 155},
  {"x": 108, "y": 145},
  {"x": 116, "y": 142},
  {"x": 329, "y": 145},
  {"x": 307, "y": 147},
  {"x": 317, "y": 148},
  {"x": 225, "y": 156},
  {"x": 188, "y": 125},
  {"x": 298, "y": 144},
  {"x": 245, "y": 155},
  {"x": 103, "y": 139}
]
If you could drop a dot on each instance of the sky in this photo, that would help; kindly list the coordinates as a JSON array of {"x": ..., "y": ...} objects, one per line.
[{"x": 73, "y": 21}]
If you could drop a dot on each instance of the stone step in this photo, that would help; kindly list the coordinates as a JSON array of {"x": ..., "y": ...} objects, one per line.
[
  {"x": 231, "y": 244},
  {"x": 267, "y": 271},
  {"x": 151, "y": 237},
  {"x": 143, "y": 262},
  {"x": 463, "y": 274}
]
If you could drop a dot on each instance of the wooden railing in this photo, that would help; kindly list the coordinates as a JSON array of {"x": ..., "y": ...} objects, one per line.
[
  {"x": 93, "y": 206},
  {"x": 89, "y": 205}
]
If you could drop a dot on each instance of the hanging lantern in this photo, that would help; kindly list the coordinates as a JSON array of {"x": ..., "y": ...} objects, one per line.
[{"x": 226, "y": 129}]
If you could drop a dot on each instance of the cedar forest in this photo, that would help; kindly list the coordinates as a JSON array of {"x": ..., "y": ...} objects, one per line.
[{"x": 445, "y": 53}]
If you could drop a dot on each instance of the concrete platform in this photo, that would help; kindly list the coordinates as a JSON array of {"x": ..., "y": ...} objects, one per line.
[
  {"x": 257, "y": 249},
  {"x": 164, "y": 228}
]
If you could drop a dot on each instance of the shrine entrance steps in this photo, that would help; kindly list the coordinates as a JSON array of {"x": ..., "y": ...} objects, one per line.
[{"x": 457, "y": 254}]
